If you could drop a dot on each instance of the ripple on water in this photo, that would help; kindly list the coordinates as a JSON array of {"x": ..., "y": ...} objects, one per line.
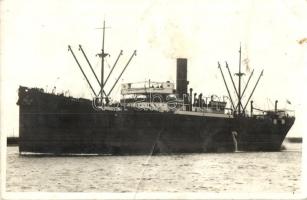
[{"x": 231, "y": 172}]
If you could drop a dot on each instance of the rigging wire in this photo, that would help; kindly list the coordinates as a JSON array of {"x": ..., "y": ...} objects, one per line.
[
  {"x": 267, "y": 103},
  {"x": 108, "y": 63},
  {"x": 271, "y": 102}
]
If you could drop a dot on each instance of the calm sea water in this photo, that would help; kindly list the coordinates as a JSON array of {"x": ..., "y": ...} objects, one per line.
[{"x": 221, "y": 172}]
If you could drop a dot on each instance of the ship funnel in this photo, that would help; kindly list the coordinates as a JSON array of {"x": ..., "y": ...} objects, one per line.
[{"x": 181, "y": 79}]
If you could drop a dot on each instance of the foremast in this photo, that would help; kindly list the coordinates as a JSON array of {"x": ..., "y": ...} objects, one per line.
[
  {"x": 101, "y": 95},
  {"x": 102, "y": 55}
]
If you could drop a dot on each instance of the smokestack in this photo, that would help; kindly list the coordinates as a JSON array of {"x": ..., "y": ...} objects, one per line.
[{"x": 181, "y": 80}]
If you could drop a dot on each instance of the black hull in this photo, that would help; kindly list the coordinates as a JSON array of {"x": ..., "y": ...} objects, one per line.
[{"x": 55, "y": 124}]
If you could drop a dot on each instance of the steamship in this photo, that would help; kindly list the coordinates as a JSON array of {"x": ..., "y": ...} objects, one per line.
[{"x": 150, "y": 118}]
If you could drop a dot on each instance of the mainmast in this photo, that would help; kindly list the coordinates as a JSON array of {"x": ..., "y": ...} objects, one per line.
[
  {"x": 241, "y": 109},
  {"x": 239, "y": 84}
]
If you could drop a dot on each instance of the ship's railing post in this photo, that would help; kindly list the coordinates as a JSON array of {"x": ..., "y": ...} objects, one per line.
[
  {"x": 252, "y": 108},
  {"x": 191, "y": 99},
  {"x": 276, "y": 102}
]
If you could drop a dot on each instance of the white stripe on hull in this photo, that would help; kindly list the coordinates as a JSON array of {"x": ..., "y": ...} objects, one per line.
[{"x": 203, "y": 114}]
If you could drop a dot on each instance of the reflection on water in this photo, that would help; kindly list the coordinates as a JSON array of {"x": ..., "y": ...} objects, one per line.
[{"x": 222, "y": 172}]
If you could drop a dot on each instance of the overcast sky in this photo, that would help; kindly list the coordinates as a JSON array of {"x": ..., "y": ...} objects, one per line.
[{"x": 35, "y": 35}]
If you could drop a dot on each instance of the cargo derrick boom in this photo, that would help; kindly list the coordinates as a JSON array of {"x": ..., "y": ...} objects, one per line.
[{"x": 239, "y": 109}]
